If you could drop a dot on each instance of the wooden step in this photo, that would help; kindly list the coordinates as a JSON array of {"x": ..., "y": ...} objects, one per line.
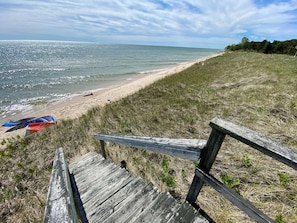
[{"x": 106, "y": 192}]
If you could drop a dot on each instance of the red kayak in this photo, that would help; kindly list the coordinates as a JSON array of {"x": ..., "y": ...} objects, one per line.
[
  {"x": 35, "y": 127},
  {"x": 39, "y": 124}
]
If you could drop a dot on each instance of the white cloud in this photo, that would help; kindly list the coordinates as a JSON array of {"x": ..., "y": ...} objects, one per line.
[{"x": 184, "y": 22}]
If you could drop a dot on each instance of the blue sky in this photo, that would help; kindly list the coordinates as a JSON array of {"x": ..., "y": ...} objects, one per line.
[{"x": 190, "y": 23}]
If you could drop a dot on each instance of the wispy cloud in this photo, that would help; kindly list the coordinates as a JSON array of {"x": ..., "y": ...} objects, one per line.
[{"x": 209, "y": 23}]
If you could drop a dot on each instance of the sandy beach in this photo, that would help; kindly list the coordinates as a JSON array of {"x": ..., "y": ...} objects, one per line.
[{"x": 70, "y": 108}]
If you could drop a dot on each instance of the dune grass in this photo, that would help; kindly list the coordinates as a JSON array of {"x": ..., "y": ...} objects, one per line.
[{"x": 251, "y": 89}]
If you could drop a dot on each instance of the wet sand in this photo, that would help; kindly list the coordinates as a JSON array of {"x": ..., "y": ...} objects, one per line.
[{"x": 74, "y": 107}]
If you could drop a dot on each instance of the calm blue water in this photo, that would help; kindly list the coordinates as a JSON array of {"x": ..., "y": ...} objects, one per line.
[{"x": 38, "y": 71}]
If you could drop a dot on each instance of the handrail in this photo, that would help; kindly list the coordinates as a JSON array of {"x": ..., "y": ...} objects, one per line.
[
  {"x": 257, "y": 141},
  {"x": 207, "y": 152},
  {"x": 234, "y": 197},
  {"x": 221, "y": 128},
  {"x": 60, "y": 205},
  {"x": 184, "y": 148}
]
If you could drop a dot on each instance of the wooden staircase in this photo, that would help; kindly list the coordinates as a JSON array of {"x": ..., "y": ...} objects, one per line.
[
  {"x": 108, "y": 193},
  {"x": 101, "y": 191}
]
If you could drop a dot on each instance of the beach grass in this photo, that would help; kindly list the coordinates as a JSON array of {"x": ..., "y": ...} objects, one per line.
[{"x": 251, "y": 89}]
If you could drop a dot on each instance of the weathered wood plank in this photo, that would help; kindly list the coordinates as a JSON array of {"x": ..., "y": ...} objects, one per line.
[
  {"x": 91, "y": 184},
  {"x": 121, "y": 197},
  {"x": 116, "y": 201},
  {"x": 186, "y": 213},
  {"x": 108, "y": 189},
  {"x": 184, "y": 148},
  {"x": 60, "y": 205},
  {"x": 87, "y": 160},
  {"x": 154, "y": 210},
  {"x": 90, "y": 173},
  {"x": 236, "y": 199},
  {"x": 258, "y": 141},
  {"x": 92, "y": 177},
  {"x": 85, "y": 177},
  {"x": 171, "y": 209},
  {"x": 133, "y": 205},
  {"x": 129, "y": 207}
]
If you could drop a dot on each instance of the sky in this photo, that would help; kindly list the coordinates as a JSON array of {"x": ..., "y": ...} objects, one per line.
[{"x": 186, "y": 23}]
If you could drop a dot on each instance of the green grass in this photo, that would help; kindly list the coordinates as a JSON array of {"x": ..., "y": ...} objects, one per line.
[
  {"x": 246, "y": 161},
  {"x": 284, "y": 178},
  {"x": 230, "y": 182},
  {"x": 251, "y": 89}
]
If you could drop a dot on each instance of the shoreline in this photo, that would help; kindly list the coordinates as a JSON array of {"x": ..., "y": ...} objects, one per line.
[{"x": 74, "y": 107}]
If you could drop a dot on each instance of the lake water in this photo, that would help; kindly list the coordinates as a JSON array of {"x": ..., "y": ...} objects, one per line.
[{"x": 34, "y": 72}]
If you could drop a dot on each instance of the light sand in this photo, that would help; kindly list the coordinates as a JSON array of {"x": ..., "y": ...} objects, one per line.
[{"x": 70, "y": 108}]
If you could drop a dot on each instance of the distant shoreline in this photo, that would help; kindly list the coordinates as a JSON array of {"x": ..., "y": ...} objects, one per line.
[{"x": 74, "y": 107}]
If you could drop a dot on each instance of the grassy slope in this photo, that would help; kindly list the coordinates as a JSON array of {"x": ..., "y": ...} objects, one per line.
[{"x": 255, "y": 90}]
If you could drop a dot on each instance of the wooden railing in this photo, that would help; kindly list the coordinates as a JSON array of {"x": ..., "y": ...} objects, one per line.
[
  {"x": 184, "y": 148},
  {"x": 221, "y": 128},
  {"x": 207, "y": 151},
  {"x": 60, "y": 206}
]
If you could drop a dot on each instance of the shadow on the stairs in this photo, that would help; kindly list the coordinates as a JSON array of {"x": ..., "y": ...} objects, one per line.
[{"x": 78, "y": 201}]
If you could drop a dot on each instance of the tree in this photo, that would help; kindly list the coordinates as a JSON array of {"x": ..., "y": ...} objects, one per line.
[{"x": 244, "y": 40}]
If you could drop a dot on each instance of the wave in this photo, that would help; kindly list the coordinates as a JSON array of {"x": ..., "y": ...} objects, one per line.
[
  {"x": 6, "y": 74},
  {"x": 152, "y": 71},
  {"x": 14, "y": 109},
  {"x": 54, "y": 69},
  {"x": 25, "y": 105}
]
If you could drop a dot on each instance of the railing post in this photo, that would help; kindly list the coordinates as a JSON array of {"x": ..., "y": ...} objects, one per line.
[
  {"x": 102, "y": 144},
  {"x": 208, "y": 157}
]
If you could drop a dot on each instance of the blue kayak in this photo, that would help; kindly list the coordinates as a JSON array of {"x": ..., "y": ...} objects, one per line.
[
  {"x": 12, "y": 123},
  {"x": 22, "y": 123}
]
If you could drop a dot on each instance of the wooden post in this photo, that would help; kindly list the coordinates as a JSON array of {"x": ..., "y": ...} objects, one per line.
[
  {"x": 102, "y": 144},
  {"x": 208, "y": 156}
]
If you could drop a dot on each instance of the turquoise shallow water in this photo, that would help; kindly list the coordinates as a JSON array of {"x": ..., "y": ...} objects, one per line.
[{"x": 35, "y": 71}]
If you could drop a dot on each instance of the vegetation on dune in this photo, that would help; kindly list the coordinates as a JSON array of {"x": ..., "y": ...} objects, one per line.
[
  {"x": 280, "y": 47},
  {"x": 252, "y": 89}
]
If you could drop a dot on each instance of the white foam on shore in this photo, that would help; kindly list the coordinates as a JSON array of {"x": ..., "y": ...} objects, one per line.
[
  {"x": 11, "y": 110},
  {"x": 152, "y": 71}
]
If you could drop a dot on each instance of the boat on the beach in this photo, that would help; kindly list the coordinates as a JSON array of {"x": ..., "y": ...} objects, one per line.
[
  {"x": 35, "y": 127},
  {"x": 12, "y": 123},
  {"x": 39, "y": 124},
  {"x": 33, "y": 124}
]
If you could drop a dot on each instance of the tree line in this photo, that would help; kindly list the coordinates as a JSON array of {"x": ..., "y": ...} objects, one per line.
[{"x": 281, "y": 47}]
